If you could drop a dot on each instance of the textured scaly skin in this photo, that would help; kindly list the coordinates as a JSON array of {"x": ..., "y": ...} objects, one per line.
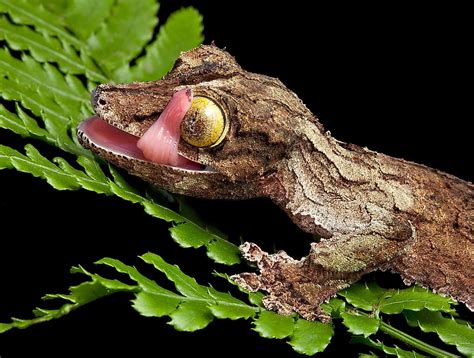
[{"x": 372, "y": 211}]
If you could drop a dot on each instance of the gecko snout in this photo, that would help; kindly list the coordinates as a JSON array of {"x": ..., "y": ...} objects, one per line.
[{"x": 97, "y": 98}]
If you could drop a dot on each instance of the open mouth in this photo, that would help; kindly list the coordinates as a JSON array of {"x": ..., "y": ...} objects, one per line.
[{"x": 159, "y": 144}]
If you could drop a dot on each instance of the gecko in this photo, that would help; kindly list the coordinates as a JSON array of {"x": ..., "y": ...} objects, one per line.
[{"x": 212, "y": 130}]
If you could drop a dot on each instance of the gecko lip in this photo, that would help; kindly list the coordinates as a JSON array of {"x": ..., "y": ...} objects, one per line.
[{"x": 98, "y": 133}]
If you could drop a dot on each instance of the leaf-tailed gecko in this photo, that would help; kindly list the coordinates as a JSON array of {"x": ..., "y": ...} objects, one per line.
[{"x": 213, "y": 130}]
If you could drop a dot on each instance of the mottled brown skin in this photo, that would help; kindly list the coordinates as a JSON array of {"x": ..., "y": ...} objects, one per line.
[{"x": 371, "y": 210}]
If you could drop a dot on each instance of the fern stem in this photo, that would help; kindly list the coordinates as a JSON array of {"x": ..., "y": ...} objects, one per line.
[{"x": 414, "y": 342}]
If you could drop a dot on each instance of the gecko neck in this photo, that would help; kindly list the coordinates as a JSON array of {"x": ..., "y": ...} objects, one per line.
[{"x": 329, "y": 187}]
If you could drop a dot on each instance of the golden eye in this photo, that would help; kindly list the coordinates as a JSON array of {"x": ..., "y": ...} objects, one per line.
[{"x": 204, "y": 124}]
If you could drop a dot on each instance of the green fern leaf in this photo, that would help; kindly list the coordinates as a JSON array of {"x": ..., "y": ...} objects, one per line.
[
  {"x": 371, "y": 297},
  {"x": 192, "y": 308},
  {"x": 188, "y": 234},
  {"x": 335, "y": 307},
  {"x": 311, "y": 337},
  {"x": 57, "y": 7},
  {"x": 32, "y": 127},
  {"x": 10, "y": 121},
  {"x": 124, "y": 34},
  {"x": 185, "y": 285},
  {"x": 86, "y": 292},
  {"x": 360, "y": 324},
  {"x": 63, "y": 176},
  {"x": 29, "y": 13},
  {"x": 6, "y": 153},
  {"x": 222, "y": 304},
  {"x": 176, "y": 35},
  {"x": 146, "y": 304},
  {"x": 415, "y": 299},
  {"x": 272, "y": 325},
  {"x": 448, "y": 330},
  {"x": 53, "y": 116},
  {"x": 45, "y": 48},
  {"x": 34, "y": 163},
  {"x": 190, "y": 317},
  {"x": 84, "y": 17},
  {"x": 67, "y": 90},
  {"x": 47, "y": 94},
  {"x": 366, "y": 296}
]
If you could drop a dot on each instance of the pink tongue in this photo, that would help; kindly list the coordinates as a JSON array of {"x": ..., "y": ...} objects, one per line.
[{"x": 159, "y": 144}]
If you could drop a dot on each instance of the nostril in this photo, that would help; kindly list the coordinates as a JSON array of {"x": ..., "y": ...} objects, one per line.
[{"x": 96, "y": 98}]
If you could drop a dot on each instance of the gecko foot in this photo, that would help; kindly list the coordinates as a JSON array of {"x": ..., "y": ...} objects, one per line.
[{"x": 292, "y": 285}]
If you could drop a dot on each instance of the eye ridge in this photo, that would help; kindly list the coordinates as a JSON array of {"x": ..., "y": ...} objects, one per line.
[{"x": 205, "y": 123}]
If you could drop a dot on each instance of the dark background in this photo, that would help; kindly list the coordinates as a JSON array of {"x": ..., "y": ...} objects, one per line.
[{"x": 394, "y": 79}]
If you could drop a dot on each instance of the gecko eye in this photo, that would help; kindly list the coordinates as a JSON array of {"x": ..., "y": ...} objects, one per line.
[{"x": 204, "y": 124}]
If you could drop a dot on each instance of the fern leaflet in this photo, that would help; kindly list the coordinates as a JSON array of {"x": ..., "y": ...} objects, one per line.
[{"x": 448, "y": 330}]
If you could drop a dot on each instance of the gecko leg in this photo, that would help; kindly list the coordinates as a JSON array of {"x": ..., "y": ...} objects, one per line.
[{"x": 302, "y": 285}]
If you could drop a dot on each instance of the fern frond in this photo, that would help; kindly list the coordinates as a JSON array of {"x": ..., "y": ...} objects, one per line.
[
  {"x": 30, "y": 13},
  {"x": 371, "y": 297},
  {"x": 24, "y": 125},
  {"x": 194, "y": 306},
  {"x": 448, "y": 330},
  {"x": 45, "y": 48},
  {"x": 101, "y": 33},
  {"x": 221, "y": 304},
  {"x": 190, "y": 307},
  {"x": 411, "y": 301},
  {"x": 86, "y": 292},
  {"x": 55, "y": 120},
  {"x": 176, "y": 35},
  {"x": 415, "y": 298},
  {"x": 190, "y": 234},
  {"x": 60, "y": 176},
  {"x": 10, "y": 121},
  {"x": 123, "y": 35},
  {"x": 57, "y": 7},
  {"x": 67, "y": 91},
  {"x": 84, "y": 17}
]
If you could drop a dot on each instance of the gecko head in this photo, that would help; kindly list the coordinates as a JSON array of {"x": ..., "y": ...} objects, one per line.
[{"x": 207, "y": 129}]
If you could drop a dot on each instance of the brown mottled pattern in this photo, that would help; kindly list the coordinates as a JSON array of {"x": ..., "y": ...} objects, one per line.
[{"x": 372, "y": 211}]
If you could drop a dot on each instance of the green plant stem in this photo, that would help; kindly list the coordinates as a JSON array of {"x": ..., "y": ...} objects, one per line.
[
  {"x": 414, "y": 342},
  {"x": 409, "y": 340}
]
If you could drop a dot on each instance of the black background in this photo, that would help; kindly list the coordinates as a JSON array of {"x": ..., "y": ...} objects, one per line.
[{"x": 394, "y": 79}]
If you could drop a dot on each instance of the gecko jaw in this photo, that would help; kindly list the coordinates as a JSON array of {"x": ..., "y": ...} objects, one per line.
[{"x": 95, "y": 132}]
